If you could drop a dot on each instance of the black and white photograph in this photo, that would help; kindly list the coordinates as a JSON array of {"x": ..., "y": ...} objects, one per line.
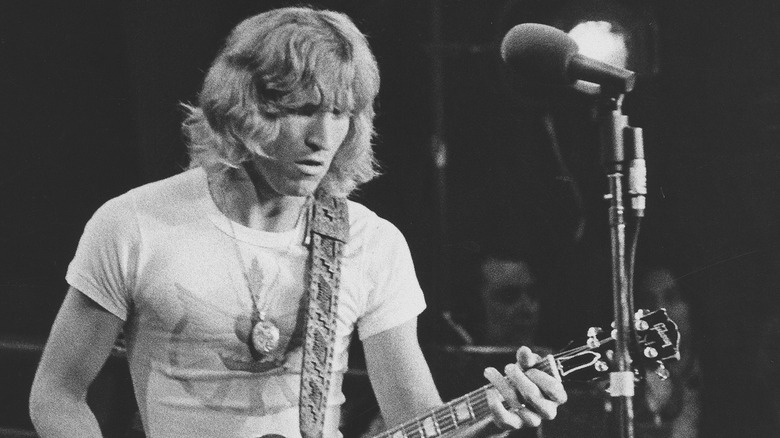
[{"x": 390, "y": 218}]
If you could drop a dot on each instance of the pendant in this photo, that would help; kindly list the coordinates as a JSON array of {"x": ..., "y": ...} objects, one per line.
[{"x": 263, "y": 339}]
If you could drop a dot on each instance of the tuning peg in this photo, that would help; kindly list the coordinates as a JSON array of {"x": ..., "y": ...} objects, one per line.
[
  {"x": 662, "y": 372},
  {"x": 593, "y": 333},
  {"x": 641, "y": 325},
  {"x": 650, "y": 352},
  {"x": 601, "y": 366}
]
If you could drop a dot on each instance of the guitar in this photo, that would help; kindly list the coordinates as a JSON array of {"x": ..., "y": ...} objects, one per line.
[{"x": 657, "y": 341}]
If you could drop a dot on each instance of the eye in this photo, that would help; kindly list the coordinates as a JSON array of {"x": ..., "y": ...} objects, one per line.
[{"x": 340, "y": 113}]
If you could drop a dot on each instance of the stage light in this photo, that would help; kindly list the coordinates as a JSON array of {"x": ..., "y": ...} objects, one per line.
[
  {"x": 601, "y": 40},
  {"x": 620, "y": 32}
]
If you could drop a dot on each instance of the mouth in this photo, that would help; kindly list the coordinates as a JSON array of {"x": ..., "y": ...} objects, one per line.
[{"x": 310, "y": 166}]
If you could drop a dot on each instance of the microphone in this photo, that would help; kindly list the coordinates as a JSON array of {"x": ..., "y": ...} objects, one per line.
[{"x": 547, "y": 55}]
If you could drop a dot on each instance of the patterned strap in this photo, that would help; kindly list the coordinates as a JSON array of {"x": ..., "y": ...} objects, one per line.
[{"x": 329, "y": 226}]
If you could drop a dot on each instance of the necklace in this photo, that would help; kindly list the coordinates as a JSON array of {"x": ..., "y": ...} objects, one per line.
[{"x": 264, "y": 335}]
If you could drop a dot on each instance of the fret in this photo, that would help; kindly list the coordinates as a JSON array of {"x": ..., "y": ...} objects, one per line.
[
  {"x": 479, "y": 405},
  {"x": 429, "y": 427},
  {"x": 463, "y": 411},
  {"x": 459, "y": 413},
  {"x": 452, "y": 415},
  {"x": 444, "y": 419},
  {"x": 476, "y": 400},
  {"x": 412, "y": 429}
]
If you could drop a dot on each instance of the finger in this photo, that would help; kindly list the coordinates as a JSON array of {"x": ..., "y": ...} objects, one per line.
[
  {"x": 527, "y": 416},
  {"x": 526, "y": 358},
  {"x": 501, "y": 416},
  {"x": 502, "y": 385},
  {"x": 531, "y": 393},
  {"x": 551, "y": 387}
]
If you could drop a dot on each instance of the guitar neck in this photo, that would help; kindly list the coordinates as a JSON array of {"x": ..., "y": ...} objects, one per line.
[{"x": 463, "y": 411}]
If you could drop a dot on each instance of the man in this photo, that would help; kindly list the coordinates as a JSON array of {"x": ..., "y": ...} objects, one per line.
[
  {"x": 206, "y": 271},
  {"x": 673, "y": 405},
  {"x": 510, "y": 296}
]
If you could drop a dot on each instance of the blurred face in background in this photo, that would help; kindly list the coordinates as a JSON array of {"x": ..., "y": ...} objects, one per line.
[
  {"x": 659, "y": 289},
  {"x": 510, "y": 295}
]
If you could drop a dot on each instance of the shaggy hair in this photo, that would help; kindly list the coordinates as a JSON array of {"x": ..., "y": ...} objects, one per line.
[{"x": 269, "y": 65}]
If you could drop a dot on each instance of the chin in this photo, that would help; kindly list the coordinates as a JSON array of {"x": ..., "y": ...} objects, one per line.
[{"x": 299, "y": 190}]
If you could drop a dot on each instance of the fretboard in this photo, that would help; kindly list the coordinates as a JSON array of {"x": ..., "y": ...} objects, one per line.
[{"x": 463, "y": 411}]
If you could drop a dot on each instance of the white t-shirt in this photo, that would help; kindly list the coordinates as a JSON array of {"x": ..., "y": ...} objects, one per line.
[{"x": 164, "y": 259}]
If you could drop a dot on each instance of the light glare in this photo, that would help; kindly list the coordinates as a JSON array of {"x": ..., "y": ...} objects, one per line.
[{"x": 599, "y": 40}]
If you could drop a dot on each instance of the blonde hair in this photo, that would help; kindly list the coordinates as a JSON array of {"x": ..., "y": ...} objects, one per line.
[{"x": 269, "y": 63}]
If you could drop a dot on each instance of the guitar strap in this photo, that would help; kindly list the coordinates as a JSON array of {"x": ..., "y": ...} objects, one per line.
[{"x": 328, "y": 232}]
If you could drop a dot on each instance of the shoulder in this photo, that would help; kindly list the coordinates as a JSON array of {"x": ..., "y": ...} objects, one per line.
[
  {"x": 367, "y": 227},
  {"x": 188, "y": 185},
  {"x": 172, "y": 197},
  {"x": 159, "y": 198}
]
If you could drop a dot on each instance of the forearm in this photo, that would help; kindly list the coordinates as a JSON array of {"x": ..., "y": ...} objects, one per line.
[
  {"x": 79, "y": 343},
  {"x": 56, "y": 415}
]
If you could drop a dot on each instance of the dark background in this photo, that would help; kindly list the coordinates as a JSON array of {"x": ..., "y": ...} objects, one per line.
[{"x": 90, "y": 94}]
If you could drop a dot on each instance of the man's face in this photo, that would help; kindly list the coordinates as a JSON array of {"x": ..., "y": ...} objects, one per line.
[
  {"x": 300, "y": 156},
  {"x": 511, "y": 296}
]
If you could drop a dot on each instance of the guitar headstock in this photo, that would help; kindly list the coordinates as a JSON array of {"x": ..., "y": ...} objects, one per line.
[{"x": 657, "y": 342}]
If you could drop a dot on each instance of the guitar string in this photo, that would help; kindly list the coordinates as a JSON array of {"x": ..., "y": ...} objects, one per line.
[
  {"x": 479, "y": 406},
  {"x": 476, "y": 399}
]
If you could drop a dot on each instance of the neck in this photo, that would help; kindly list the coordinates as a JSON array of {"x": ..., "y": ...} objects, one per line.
[{"x": 241, "y": 198}]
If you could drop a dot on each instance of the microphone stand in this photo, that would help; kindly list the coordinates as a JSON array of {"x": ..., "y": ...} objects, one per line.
[{"x": 613, "y": 125}]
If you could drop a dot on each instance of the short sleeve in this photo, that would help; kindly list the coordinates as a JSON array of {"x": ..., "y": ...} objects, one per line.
[
  {"x": 395, "y": 294},
  {"x": 104, "y": 265}
]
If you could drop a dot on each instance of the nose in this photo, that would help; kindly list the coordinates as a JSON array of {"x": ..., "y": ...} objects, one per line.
[{"x": 324, "y": 131}]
